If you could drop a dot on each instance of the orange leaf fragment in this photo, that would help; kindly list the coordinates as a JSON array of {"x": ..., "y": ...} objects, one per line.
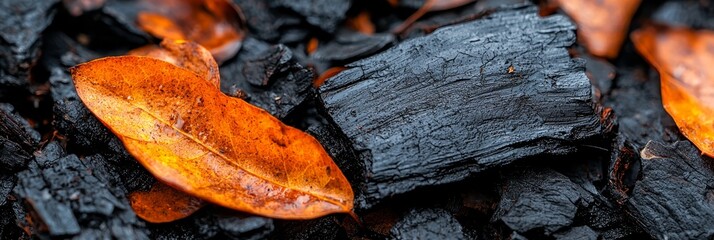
[
  {"x": 164, "y": 204},
  {"x": 602, "y": 24},
  {"x": 684, "y": 57},
  {"x": 194, "y": 138},
  {"x": 331, "y": 72},
  {"x": 184, "y": 54},
  {"x": 217, "y": 25},
  {"x": 362, "y": 23}
]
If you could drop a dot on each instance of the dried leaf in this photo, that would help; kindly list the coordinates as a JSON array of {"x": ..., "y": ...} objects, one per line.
[
  {"x": 684, "y": 58},
  {"x": 331, "y": 72},
  {"x": 164, "y": 204},
  {"x": 362, "y": 23},
  {"x": 602, "y": 24},
  {"x": 218, "y": 25},
  {"x": 219, "y": 148},
  {"x": 184, "y": 54}
]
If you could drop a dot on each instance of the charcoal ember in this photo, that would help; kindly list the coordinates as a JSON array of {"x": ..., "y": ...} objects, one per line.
[
  {"x": 580, "y": 233},
  {"x": 537, "y": 199},
  {"x": 267, "y": 76},
  {"x": 272, "y": 25},
  {"x": 673, "y": 198},
  {"x": 431, "y": 223},
  {"x": 468, "y": 97},
  {"x": 17, "y": 140},
  {"x": 71, "y": 201},
  {"x": 323, "y": 14},
  {"x": 20, "y": 31},
  {"x": 688, "y": 13},
  {"x": 349, "y": 45}
]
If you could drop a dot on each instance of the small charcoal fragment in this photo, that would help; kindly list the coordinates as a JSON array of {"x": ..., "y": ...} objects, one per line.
[
  {"x": 62, "y": 191},
  {"x": 324, "y": 14},
  {"x": 463, "y": 99},
  {"x": 537, "y": 199},
  {"x": 272, "y": 25},
  {"x": 349, "y": 45},
  {"x": 17, "y": 139},
  {"x": 266, "y": 76},
  {"x": 428, "y": 224},
  {"x": 20, "y": 29},
  {"x": 580, "y": 233},
  {"x": 673, "y": 198}
]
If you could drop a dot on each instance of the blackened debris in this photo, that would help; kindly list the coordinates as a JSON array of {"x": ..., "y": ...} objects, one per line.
[
  {"x": 272, "y": 25},
  {"x": 323, "y": 14},
  {"x": 20, "y": 30},
  {"x": 62, "y": 191},
  {"x": 349, "y": 46},
  {"x": 674, "y": 197},
  {"x": 17, "y": 139},
  {"x": 537, "y": 199},
  {"x": 439, "y": 108},
  {"x": 432, "y": 223},
  {"x": 215, "y": 223},
  {"x": 267, "y": 76},
  {"x": 321, "y": 228}
]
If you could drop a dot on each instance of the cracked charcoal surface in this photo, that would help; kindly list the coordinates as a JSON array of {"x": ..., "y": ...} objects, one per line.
[
  {"x": 580, "y": 233},
  {"x": 20, "y": 29},
  {"x": 436, "y": 109},
  {"x": 272, "y": 25},
  {"x": 537, "y": 199},
  {"x": 62, "y": 191},
  {"x": 348, "y": 46},
  {"x": 674, "y": 197},
  {"x": 214, "y": 223},
  {"x": 269, "y": 75},
  {"x": 17, "y": 139},
  {"x": 323, "y": 14},
  {"x": 428, "y": 224}
]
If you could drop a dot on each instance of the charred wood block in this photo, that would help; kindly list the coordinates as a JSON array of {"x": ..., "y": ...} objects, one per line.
[
  {"x": 673, "y": 198},
  {"x": 74, "y": 200},
  {"x": 272, "y": 25},
  {"x": 20, "y": 29},
  {"x": 323, "y": 14},
  {"x": 428, "y": 224},
  {"x": 469, "y": 97},
  {"x": 267, "y": 76},
  {"x": 537, "y": 199},
  {"x": 17, "y": 139}
]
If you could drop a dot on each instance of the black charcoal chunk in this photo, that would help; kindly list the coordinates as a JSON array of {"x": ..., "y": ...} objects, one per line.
[
  {"x": 267, "y": 76},
  {"x": 468, "y": 97},
  {"x": 674, "y": 198},
  {"x": 323, "y": 14},
  {"x": 321, "y": 228},
  {"x": 428, "y": 224},
  {"x": 17, "y": 139},
  {"x": 537, "y": 199},
  {"x": 71, "y": 199},
  {"x": 272, "y": 25},
  {"x": 579, "y": 233},
  {"x": 686, "y": 13},
  {"x": 349, "y": 45},
  {"x": 215, "y": 223},
  {"x": 20, "y": 30}
]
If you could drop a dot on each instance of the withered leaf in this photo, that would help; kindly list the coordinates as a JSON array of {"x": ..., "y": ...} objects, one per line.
[
  {"x": 602, "y": 24},
  {"x": 684, "y": 58},
  {"x": 184, "y": 54},
  {"x": 200, "y": 141},
  {"x": 218, "y": 25},
  {"x": 164, "y": 204}
]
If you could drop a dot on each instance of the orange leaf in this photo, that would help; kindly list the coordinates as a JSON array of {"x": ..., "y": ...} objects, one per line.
[
  {"x": 684, "y": 58},
  {"x": 218, "y": 25},
  {"x": 164, "y": 204},
  {"x": 602, "y": 24},
  {"x": 184, "y": 54},
  {"x": 362, "y": 23},
  {"x": 200, "y": 141},
  {"x": 331, "y": 72}
]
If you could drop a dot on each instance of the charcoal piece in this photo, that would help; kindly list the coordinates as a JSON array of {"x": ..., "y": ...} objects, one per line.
[
  {"x": 428, "y": 224},
  {"x": 272, "y": 25},
  {"x": 20, "y": 29},
  {"x": 580, "y": 233},
  {"x": 637, "y": 103},
  {"x": 600, "y": 72},
  {"x": 321, "y": 228},
  {"x": 121, "y": 16},
  {"x": 7, "y": 183},
  {"x": 60, "y": 53},
  {"x": 349, "y": 45},
  {"x": 537, "y": 199},
  {"x": 17, "y": 139},
  {"x": 8, "y": 227},
  {"x": 71, "y": 201},
  {"x": 688, "y": 13},
  {"x": 266, "y": 76},
  {"x": 323, "y": 14},
  {"x": 214, "y": 223},
  {"x": 469, "y": 97},
  {"x": 673, "y": 198},
  {"x": 251, "y": 227}
]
